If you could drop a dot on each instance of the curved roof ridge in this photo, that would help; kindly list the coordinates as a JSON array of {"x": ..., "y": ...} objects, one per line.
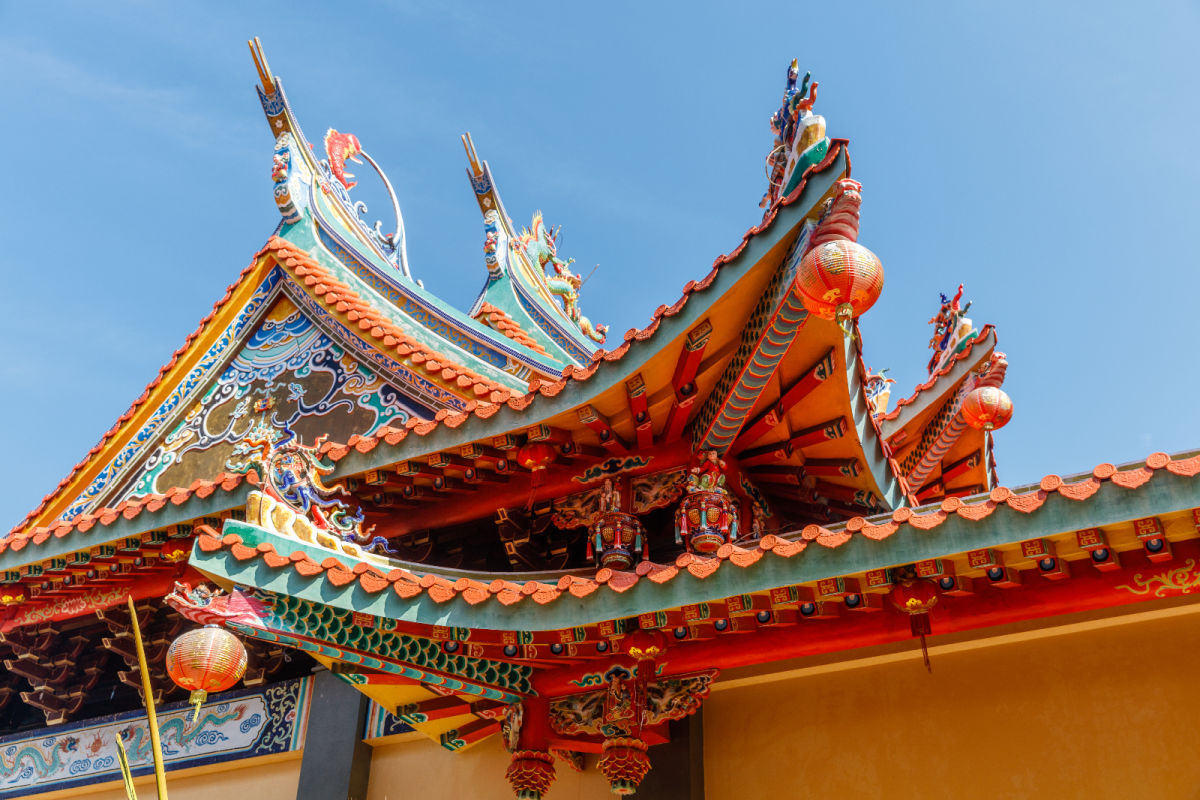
[
  {"x": 933, "y": 379},
  {"x": 537, "y": 386}
]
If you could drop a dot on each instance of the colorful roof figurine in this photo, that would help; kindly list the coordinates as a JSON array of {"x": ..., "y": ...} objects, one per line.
[{"x": 501, "y": 521}]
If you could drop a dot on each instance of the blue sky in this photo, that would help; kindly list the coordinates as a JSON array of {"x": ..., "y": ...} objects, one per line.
[{"x": 1042, "y": 154}]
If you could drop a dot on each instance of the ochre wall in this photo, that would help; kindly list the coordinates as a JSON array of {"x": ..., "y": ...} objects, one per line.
[
  {"x": 1109, "y": 713},
  {"x": 259, "y": 779},
  {"x": 424, "y": 769}
]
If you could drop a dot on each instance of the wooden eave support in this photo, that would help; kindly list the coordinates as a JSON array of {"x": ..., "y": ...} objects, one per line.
[
  {"x": 793, "y": 476},
  {"x": 547, "y": 434},
  {"x": 416, "y": 468},
  {"x": 575, "y": 450},
  {"x": 474, "y": 475},
  {"x": 769, "y": 419},
  {"x": 825, "y": 432},
  {"x": 682, "y": 382},
  {"x": 832, "y": 467},
  {"x": 383, "y": 478},
  {"x": 442, "y": 483},
  {"x": 444, "y": 707},
  {"x": 469, "y": 734},
  {"x": 961, "y": 467},
  {"x": 639, "y": 409},
  {"x": 483, "y": 452},
  {"x": 600, "y": 425},
  {"x": 385, "y": 500},
  {"x": 847, "y": 494},
  {"x": 933, "y": 490},
  {"x": 449, "y": 461},
  {"x": 56, "y": 708}
]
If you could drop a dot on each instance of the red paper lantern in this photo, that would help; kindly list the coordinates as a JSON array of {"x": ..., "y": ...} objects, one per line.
[
  {"x": 535, "y": 456},
  {"x": 987, "y": 408},
  {"x": 839, "y": 280},
  {"x": 208, "y": 659}
]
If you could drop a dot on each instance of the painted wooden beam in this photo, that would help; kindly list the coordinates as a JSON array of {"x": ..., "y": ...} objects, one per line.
[
  {"x": 847, "y": 494},
  {"x": 547, "y": 434},
  {"x": 449, "y": 461},
  {"x": 385, "y": 478},
  {"x": 832, "y": 467},
  {"x": 963, "y": 465},
  {"x": 769, "y": 419},
  {"x": 793, "y": 476},
  {"x": 600, "y": 425},
  {"x": 768, "y": 454},
  {"x": 413, "y": 468},
  {"x": 682, "y": 381},
  {"x": 442, "y": 708},
  {"x": 639, "y": 409},
  {"x": 482, "y": 452},
  {"x": 469, "y": 734}
]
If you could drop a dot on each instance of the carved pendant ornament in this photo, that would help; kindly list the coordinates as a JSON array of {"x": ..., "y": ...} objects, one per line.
[
  {"x": 616, "y": 539},
  {"x": 707, "y": 515}
]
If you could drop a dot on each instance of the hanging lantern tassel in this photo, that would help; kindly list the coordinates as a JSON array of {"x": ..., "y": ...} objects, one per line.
[
  {"x": 916, "y": 597},
  {"x": 919, "y": 623}
]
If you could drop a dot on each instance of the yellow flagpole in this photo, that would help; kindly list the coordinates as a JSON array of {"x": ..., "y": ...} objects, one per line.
[
  {"x": 160, "y": 775},
  {"x": 123, "y": 757}
]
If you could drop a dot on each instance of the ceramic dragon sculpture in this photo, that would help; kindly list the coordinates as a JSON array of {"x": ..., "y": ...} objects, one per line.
[
  {"x": 291, "y": 474},
  {"x": 539, "y": 244}
]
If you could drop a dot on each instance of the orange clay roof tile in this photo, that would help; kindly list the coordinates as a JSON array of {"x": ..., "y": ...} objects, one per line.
[
  {"x": 345, "y": 300},
  {"x": 16, "y": 540},
  {"x": 497, "y": 320}
]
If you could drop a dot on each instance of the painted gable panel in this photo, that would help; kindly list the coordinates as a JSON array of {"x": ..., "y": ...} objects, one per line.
[{"x": 288, "y": 372}]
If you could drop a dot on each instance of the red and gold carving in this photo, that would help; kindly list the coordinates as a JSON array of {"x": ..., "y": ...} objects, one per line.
[
  {"x": 706, "y": 518},
  {"x": 530, "y": 773},
  {"x": 624, "y": 763}
]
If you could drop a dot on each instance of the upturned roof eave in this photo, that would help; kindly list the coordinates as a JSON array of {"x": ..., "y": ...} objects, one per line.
[{"x": 1140, "y": 492}]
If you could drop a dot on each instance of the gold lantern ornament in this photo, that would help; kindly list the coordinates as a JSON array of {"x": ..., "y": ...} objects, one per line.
[{"x": 208, "y": 659}]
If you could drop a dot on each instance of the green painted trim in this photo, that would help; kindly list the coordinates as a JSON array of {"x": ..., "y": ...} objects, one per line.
[
  {"x": 1165, "y": 493},
  {"x": 887, "y": 483},
  {"x": 169, "y": 514}
]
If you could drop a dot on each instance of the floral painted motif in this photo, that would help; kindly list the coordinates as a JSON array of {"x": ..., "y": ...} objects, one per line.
[{"x": 1171, "y": 582}]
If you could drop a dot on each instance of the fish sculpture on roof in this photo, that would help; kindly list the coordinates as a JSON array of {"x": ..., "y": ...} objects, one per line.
[{"x": 340, "y": 148}]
